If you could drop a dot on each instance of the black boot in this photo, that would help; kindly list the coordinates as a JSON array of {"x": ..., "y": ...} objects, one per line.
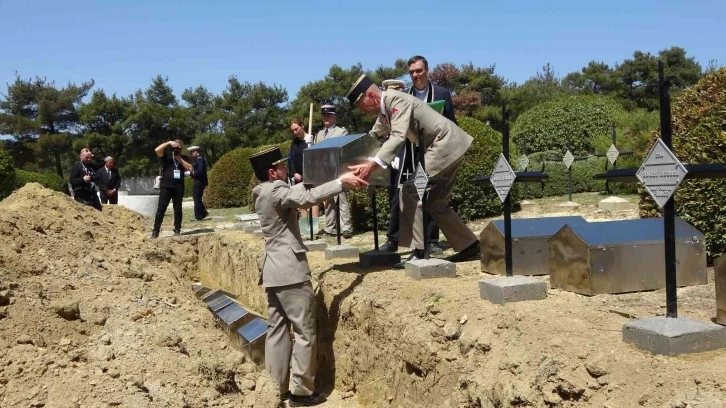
[
  {"x": 470, "y": 253},
  {"x": 154, "y": 234},
  {"x": 307, "y": 400}
]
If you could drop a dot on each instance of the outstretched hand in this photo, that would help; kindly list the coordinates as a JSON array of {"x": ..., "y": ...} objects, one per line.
[
  {"x": 350, "y": 180},
  {"x": 363, "y": 170}
]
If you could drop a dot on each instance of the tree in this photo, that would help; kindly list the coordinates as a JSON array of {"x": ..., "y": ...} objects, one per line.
[
  {"x": 543, "y": 87},
  {"x": 35, "y": 111},
  {"x": 104, "y": 124},
  {"x": 252, "y": 114},
  {"x": 596, "y": 78}
]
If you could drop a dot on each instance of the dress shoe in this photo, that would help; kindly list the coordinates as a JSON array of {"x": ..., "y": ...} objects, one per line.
[
  {"x": 470, "y": 253},
  {"x": 307, "y": 400},
  {"x": 435, "y": 249},
  {"x": 285, "y": 396},
  {"x": 416, "y": 255},
  {"x": 347, "y": 234},
  {"x": 154, "y": 234},
  {"x": 389, "y": 247},
  {"x": 177, "y": 232}
]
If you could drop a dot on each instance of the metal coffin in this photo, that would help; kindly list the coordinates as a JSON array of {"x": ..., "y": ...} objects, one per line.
[
  {"x": 251, "y": 339},
  {"x": 529, "y": 244},
  {"x": 623, "y": 256},
  {"x": 330, "y": 158},
  {"x": 720, "y": 269}
]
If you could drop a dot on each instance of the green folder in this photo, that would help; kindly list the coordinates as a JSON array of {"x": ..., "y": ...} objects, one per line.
[{"x": 438, "y": 106}]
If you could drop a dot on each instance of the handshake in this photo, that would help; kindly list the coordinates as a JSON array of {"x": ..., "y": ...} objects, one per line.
[{"x": 350, "y": 180}]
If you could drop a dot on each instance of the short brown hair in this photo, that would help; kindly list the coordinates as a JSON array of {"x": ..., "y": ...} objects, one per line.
[
  {"x": 417, "y": 58},
  {"x": 297, "y": 121}
]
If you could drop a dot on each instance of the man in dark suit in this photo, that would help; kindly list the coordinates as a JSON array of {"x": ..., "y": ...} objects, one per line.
[
  {"x": 199, "y": 174},
  {"x": 84, "y": 180},
  {"x": 109, "y": 182},
  {"x": 425, "y": 90}
]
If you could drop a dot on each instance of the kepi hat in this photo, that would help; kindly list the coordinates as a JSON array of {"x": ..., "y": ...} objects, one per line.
[
  {"x": 394, "y": 84},
  {"x": 327, "y": 108},
  {"x": 360, "y": 86},
  {"x": 193, "y": 148},
  {"x": 264, "y": 160}
]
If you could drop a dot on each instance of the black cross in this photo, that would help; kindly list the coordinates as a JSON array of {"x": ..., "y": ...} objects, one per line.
[{"x": 695, "y": 171}]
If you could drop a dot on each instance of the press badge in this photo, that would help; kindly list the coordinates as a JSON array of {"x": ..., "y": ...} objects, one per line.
[{"x": 177, "y": 174}]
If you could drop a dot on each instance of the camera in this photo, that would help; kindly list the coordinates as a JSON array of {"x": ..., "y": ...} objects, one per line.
[{"x": 176, "y": 151}]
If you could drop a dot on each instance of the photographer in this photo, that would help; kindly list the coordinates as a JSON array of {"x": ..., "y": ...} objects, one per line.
[
  {"x": 173, "y": 167},
  {"x": 84, "y": 180}
]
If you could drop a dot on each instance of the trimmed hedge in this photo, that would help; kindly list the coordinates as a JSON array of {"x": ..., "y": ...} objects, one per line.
[
  {"x": 47, "y": 180},
  {"x": 470, "y": 201},
  {"x": 548, "y": 126},
  {"x": 229, "y": 179},
  {"x": 7, "y": 174},
  {"x": 699, "y": 136}
]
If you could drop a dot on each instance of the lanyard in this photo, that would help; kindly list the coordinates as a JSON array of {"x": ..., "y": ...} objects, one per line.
[{"x": 175, "y": 164}]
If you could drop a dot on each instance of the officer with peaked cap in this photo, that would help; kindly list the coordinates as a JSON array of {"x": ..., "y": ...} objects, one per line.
[
  {"x": 400, "y": 117},
  {"x": 285, "y": 274},
  {"x": 332, "y": 130}
]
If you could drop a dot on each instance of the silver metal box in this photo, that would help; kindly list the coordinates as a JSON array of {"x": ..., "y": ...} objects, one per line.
[
  {"x": 529, "y": 244},
  {"x": 251, "y": 338},
  {"x": 623, "y": 256},
  {"x": 720, "y": 275},
  {"x": 330, "y": 158}
]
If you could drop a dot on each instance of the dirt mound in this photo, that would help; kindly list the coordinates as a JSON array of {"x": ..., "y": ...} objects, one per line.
[{"x": 93, "y": 313}]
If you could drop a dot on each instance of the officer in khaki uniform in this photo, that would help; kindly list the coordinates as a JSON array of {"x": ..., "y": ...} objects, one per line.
[
  {"x": 400, "y": 115},
  {"x": 333, "y": 130},
  {"x": 285, "y": 274}
]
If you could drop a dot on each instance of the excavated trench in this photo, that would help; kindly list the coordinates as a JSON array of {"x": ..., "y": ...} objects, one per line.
[{"x": 397, "y": 342}]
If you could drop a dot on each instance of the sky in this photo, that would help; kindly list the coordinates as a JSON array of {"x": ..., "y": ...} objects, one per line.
[{"x": 122, "y": 45}]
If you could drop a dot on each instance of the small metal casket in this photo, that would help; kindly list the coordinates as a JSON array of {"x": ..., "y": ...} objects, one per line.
[
  {"x": 530, "y": 238},
  {"x": 623, "y": 256},
  {"x": 720, "y": 272},
  {"x": 330, "y": 158}
]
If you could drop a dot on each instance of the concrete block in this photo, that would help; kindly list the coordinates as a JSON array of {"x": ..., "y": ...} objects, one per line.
[
  {"x": 248, "y": 217},
  {"x": 509, "y": 289},
  {"x": 673, "y": 336},
  {"x": 719, "y": 267},
  {"x": 614, "y": 204},
  {"x": 527, "y": 204},
  {"x": 341, "y": 251},
  {"x": 258, "y": 232},
  {"x": 250, "y": 228},
  {"x": 315, "y": 246},
  {"x": 378, "y": 258},
  {"x": 430, "y": 268}
]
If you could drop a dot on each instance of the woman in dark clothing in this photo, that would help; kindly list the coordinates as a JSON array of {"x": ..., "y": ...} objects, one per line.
[
  {"x": 300, "y": 141},
  {"x": 173, "y": 167}
]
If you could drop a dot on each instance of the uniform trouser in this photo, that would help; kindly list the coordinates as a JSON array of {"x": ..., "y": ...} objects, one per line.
[
  {"x": 200, "y": 211},
  {"x": 394, "y": 221},
  {"x": 437, "y": 205},
  {"x": 176, "y": 196},
  {"x": 331, "y": 214},
  {"x": 292, "y": 305}
]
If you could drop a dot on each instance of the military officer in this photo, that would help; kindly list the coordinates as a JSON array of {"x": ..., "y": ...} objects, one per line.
[
  {"x": 285, "y": 274},
  {"x": 332, "y": 130},
  {"x": 400, "y": 116}
]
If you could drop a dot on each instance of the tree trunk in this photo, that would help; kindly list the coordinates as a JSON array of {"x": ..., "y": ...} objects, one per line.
[{"x": 58, "y": 168}]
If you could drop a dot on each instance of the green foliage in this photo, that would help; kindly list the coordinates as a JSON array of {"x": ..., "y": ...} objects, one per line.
[
  {"x": 7, "y": 174},
  {"x": 47, "y": 180},
  {"x": 580, "y": 119},
  {"x": 557, "y": 183},
  {"x": 361, "y": 211},
  {"x": 469, "y": 200},
  {"x": 229, "y": 179},
  {"x": 698, "y": 123}
]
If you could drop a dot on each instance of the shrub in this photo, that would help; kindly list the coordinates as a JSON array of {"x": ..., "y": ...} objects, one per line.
[
  {"x": 7, "y": 174},
  {"x": 580, "y": 118},
  {"x": 47, "y": 180},
  {"x": 470, "y": 201},
  {"x": 229, "y": 179},
  {"x": 699, "y": 136},
  {"x": 557, "y": 183}
]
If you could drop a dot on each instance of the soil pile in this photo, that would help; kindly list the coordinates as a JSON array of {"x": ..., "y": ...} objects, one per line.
[{"x": 94, "y": 314}]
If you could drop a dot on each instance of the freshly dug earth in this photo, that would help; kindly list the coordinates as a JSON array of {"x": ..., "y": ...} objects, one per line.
[
  {"x": 393, "y": 341},
  {"x": 93, "y": 314}
]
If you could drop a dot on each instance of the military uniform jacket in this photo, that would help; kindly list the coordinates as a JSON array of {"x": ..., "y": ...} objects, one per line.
[
  {"x": 333, "y": 131},
  {"x": 400, "y": 117},
  {"x": 276, "y": 203}
]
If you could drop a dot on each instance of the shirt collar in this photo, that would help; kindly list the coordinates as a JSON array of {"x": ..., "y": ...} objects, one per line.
[{"x": 383, "y": 106}]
